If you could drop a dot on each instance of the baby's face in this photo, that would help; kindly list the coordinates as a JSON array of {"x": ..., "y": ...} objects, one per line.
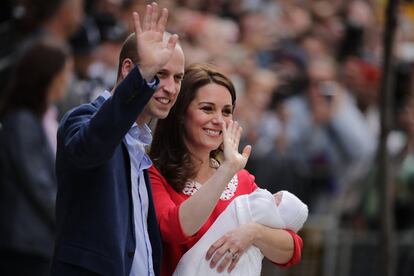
[{"x": 278, "y": 197}]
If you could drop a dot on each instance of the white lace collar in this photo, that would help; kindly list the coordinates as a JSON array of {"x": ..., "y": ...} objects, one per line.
[{"x": 193, "y": 186}]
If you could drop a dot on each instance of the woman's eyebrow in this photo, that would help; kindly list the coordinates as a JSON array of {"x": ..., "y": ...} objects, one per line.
[{"x": 209, "y": 103}]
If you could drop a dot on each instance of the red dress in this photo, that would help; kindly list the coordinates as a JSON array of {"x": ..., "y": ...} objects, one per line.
[{"x": 175, "y": 242}]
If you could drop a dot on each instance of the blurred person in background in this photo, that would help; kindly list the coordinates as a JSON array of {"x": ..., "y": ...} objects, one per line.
[
  {"x": 56, "y": 20},
  {"x": 95, "y": 46},
  {"x": 82, "y": 87},
  {"x": 254, "y": 101},
  {"x": 361, "y": 204},
  {"x": 112, "y": 35},
  {"x": 27, "y": 173},
  {"x": 323, "y": 132},
  {"x": 63, "y": 21}
]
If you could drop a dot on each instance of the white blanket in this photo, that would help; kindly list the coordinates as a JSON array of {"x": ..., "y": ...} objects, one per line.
[{"x": 258, "y": 206}]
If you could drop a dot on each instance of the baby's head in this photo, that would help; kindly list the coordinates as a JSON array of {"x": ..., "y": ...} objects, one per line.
[{"x": 292, "y": 210}]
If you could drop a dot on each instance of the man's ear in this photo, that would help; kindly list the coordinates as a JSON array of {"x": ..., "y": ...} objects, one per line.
[{"x": 127, "y": 66}]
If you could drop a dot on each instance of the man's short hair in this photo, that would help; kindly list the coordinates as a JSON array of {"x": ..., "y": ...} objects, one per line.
[{"x": 128, "y": 50}]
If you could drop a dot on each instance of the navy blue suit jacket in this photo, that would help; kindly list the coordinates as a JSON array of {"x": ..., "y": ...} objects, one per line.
[{"x": 95, "y": 226}]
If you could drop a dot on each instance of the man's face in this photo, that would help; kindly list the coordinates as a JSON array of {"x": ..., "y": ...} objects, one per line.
[{"x": 170, "y": 84}]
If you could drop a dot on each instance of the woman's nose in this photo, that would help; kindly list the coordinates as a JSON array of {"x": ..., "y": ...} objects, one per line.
[{"x": 218, "y": 119}]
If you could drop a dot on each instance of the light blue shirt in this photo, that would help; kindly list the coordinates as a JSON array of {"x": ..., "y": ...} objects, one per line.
[{"x": 136, "y": 139}]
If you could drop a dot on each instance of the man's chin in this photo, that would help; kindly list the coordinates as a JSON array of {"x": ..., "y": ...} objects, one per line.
[{"x": 161, "y": 115}]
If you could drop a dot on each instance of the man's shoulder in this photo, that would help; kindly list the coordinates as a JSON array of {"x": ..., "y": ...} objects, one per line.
[{"x": 82, "y": 111}]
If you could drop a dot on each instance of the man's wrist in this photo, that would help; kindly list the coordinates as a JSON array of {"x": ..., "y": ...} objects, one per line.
[
  {"x": 153, "y": 84},
  {"x": 151, "y": 79},
  {"x": 147, "y": 73}
]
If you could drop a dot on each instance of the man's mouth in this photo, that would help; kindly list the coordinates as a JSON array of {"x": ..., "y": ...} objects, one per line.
[{"x": 163, "y": 100}]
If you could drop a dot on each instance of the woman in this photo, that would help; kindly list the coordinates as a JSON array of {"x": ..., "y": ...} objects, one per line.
[
  {"x": 27, "y": 179},
  {"x": 194, "y": 179}
]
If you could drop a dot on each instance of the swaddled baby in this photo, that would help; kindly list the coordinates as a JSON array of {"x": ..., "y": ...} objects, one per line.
[{"x": 280, "y": 210}]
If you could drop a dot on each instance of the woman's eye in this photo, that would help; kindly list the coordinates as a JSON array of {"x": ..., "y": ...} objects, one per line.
[
  {"x": 226, "y": 112},
  {"x": 207, "y": 108}
]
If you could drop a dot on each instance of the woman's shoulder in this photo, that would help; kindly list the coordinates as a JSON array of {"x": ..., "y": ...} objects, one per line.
[
  {"x": 156, "y": 176},
  {"x": 21, "y": 115},
  {"x": 154, "y": 172},
  {"x": 246, "y": 180},
  {"x": 244, "y": 175},
  {"x": 21, "y": 121}
]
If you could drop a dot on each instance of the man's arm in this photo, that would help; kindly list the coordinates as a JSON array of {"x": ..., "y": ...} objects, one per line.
[{"x": 90, "y": 137}]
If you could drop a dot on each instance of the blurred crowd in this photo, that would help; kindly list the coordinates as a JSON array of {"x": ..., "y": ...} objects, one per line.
[{"x": 307, "y": 75}]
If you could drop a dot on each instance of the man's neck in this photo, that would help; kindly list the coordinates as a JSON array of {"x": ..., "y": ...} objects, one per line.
[{"x": 143, "y": 119}]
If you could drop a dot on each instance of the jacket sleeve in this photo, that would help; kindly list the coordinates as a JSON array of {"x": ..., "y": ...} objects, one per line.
[
  {"x": 89, "y": 136},
  {"x": 166, "y": 210}
]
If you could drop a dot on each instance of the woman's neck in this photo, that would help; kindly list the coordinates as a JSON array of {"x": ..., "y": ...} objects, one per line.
[{"x": 204, "y": 170}]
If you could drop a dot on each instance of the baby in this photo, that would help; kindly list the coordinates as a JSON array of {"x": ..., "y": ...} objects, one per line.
[{"x": 281, "y": 210}]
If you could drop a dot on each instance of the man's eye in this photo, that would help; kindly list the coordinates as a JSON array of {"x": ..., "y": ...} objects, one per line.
[{"x": 161, "y": 74}]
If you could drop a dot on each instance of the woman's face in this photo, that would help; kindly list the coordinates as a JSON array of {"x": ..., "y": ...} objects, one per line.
[{"x": 205, "y": 115}]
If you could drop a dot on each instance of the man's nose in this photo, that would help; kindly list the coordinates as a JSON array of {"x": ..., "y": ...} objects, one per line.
[{"x": 169, "y": 85}]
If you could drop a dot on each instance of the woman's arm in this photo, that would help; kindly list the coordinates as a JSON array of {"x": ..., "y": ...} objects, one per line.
[
  {"x": 168, "y": 204},
  {"x": 278, "y": 245},
  {"x": 194, "y": 212}
]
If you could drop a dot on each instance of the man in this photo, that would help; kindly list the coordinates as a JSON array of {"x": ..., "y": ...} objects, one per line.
[{"x": 106, "y": 221}]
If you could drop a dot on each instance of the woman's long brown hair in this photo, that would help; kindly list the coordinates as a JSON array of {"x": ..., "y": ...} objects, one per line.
[{"x": 168, "y": 150}]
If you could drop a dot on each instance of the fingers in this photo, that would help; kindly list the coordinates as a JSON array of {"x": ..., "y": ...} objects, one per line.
[
  {"x": 154, "y": 16},
  {"x": 172, "y": 41},
  {"x": 214, "y": 247},
  {"x": 224, "y": 130},
  {"x": 225, "y": 258},
  {"x": 146, "y": 24},
  {"x": 137, "y": 23},
  {"x": 162, "y": 22},
  {"x": 228, "y": 258},
  {"x": 151, "y": 20},
  {"x": 235, "y": 259},
  {"x": 246, "y": 151},
  {"x": 239, "y": 130},
  {"x": 217, "y": 256},
  {"x": 233, "y": 128},
  {"x": 234, "y": 132}
]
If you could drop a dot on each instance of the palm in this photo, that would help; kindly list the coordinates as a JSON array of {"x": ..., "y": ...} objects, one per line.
[
  {"x": 231, "y": 139},
  {"x": 151, "y": 48},
  {"x": 153, "y": 53}
]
